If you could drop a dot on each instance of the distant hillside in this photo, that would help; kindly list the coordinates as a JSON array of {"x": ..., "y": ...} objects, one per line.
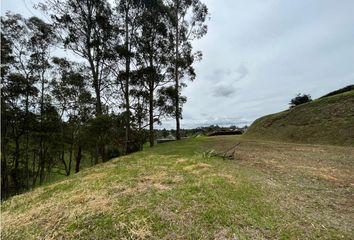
[
  {"x": 328, "y": 120},
  {"x": 342, "y": 90}
]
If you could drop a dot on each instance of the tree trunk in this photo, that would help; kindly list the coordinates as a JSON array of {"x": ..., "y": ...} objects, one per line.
[
  {"x": 63, "y": 149},
  {"x": 96, "y": 155},
  {"x": 63, "y": 161},
  {"x": 98, "y": 98},
  {"x": 35, "y": 174},
  {"x": 103, "y": 153},
  {"x": 4, "y": 174},
  {"x": 16, "y": 176},
  {"x": 94, "y": 67},
  {"x": 177, "y": 112},
  {"x": 27, "y": 134},
  {"x": 99, "y": 112},
  {"x": 41, "y": 142},
  {"x": 127, "y": 82},
  {"x": 41, "y": 164},
  {"x": 151, "y": 103},
  {"x": 78, "y": 160},
  {"x": 151, "y": 117},
  {"x": 49, "y": 166},
  {"x": 70, "y": 159}
]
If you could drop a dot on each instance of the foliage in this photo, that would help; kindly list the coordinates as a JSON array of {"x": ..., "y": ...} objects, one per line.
[
  {"x": 300, "y": 99},
  {"x": 57, "y": 112},
  {"x": 188, "y": 23}
]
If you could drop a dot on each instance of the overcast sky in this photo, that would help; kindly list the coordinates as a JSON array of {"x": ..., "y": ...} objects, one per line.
[{"x": 258, "y": 54}]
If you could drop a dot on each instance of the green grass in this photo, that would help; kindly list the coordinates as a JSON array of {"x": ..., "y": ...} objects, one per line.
[
  {"x": 328, "y": 120},
  {"x": 270, "y": 191}
]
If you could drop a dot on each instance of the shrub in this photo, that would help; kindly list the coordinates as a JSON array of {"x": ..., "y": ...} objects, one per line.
[{"x": 300, "y": 99}]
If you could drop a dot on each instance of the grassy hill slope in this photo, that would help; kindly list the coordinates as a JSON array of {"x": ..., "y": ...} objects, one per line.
[
  {"x": 328, "y": 120},
  {"x": 177, "y": 191}
]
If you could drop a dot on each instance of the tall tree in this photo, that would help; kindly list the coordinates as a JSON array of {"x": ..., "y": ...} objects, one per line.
[
  {"x": 6, "y": 60},
  {"x": 17, "y": 32},
  {"x": 188, "y": 23},
  {"x": 74, "y": 100},
  {"x": 86, "y": 29},
  {"x": 31, "y": 42},
  {"x": 154, "y": 51},
  {"x": 41, "y": 42},
  {"x": 12, "y": 128},
  {"x": 127, "y": 12}
]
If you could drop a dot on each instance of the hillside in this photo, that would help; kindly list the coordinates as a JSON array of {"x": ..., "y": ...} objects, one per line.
[
  {"x": 328, "y": 120},
  {"x": 179, "y": 191}
]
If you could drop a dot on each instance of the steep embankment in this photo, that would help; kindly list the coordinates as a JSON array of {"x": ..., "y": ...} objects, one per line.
[{"x": 328, "y": 120}]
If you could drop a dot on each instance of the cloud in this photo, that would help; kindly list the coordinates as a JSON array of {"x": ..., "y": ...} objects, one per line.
[
  {"x": 226, "y": 74},
  {"x": 224, "y": 91},
  {"x": 227, "y": 79},
  {"x": 218, "y": 74},
  {"x": 243, "y": 71}
]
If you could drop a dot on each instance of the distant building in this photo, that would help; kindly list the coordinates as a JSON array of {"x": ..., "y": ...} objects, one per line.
[{"x": 169, "y": 138}]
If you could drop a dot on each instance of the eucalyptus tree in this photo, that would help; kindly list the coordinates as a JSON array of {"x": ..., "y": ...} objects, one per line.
[
  {"x": 12, "y": 130},
  {"x": 31, "y": 40},
  {"x": 126, "y": 19},
  {"x": 75, "y": 104},
  {"x": 154, "y": 51},
  {"x": 41, "y": 41},
  {"x": 16, "y": 36},
  {"x": 187, "y": 24},
  {"x": 86, "y": 29},
  {"x": 6, "y": 60}
]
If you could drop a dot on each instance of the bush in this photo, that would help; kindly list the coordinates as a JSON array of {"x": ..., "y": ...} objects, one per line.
[
  {"x": 112, "y": 152},
  {"x": 300, "y": 99}
]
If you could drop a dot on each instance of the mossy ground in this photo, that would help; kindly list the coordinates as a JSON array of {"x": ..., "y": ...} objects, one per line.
[{"x": 172, "y": 191}]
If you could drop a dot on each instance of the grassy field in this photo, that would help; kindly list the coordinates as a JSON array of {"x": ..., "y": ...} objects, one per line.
[
  {"x": 270, "y": 190},
  {"x": 328, "y": 120}
]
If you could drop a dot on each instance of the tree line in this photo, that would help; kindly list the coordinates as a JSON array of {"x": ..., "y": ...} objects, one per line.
[{"x": 134, "y": 58}]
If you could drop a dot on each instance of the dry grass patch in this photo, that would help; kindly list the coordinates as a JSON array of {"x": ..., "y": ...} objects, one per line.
[
  {"x": 181, "y": 160},
  {"x": 227, "y": 177},
  {"x": 144, "y": 183},
  {"x": 197, "y": 168},
  {"x": 224, "y": 234},
  {"x": 95, "y": 176},
  {"x": 136, "y": 229},
  {"x": 155, "y": 180},
  {"x": 52, "y": 215}
]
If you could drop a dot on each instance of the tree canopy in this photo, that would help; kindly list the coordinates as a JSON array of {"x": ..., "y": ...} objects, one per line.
[{"x": 135, "y": 56}]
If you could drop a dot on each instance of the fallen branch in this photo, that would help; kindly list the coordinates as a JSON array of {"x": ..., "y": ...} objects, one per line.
[{"x": 228, "y": 154}]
